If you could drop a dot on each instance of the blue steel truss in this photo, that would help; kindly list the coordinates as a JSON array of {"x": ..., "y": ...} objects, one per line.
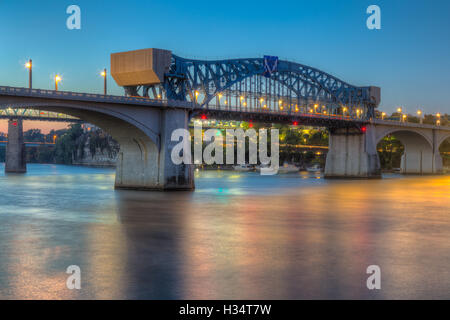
[{"x": 240, "y": 82}]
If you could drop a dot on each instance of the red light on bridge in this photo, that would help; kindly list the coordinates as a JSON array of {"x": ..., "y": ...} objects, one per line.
[
  {"x": 250, "y": 125},
  {"x": 203, "y": 117},
  {"x": 363, "y": 129},
  {"x": 295, "y": 123},
  {"x": 14, "y": 124}
]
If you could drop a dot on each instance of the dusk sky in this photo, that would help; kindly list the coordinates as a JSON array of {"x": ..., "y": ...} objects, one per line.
[{"x": 408, "y": 58}]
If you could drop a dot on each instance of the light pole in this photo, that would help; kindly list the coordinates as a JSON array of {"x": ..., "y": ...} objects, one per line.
[
  {"x": 419, "y": 113},
  {"x": 399, "y": 110},
  {"x": 29, "y": 66},
  {"x": 438, "y": 120},
  {"x": 383, "y": 114},
  {"x": 104, "y": 74},
  {"x": 57, "y": 79}
]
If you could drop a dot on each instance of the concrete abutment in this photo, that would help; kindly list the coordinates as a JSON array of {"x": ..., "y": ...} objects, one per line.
[{"x": 15, "y": 161}]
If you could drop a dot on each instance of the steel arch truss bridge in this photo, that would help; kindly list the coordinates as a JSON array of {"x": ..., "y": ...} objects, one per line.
[{"x": 246, "y": 84}]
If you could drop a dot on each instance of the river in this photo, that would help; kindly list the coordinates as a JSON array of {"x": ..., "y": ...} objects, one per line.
[{"x": 238, "y": 236}]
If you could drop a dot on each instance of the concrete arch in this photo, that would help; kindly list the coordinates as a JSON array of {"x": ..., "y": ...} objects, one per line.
[
  {"x": 419, "y": 156},
  {"x": 442, "y": 140},
  {"x": 101, "y": 116},
  {"x": 144, "y": 135},
  {"x": 405, "y": 134}
]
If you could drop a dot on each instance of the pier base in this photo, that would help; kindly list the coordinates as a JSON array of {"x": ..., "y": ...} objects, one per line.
[
  {"x": 352, "y": 154},
  {"x": 15, "y": 149}
]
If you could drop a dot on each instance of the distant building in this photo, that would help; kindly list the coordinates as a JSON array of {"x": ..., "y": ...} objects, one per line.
[{"x": 87, "y": 127}]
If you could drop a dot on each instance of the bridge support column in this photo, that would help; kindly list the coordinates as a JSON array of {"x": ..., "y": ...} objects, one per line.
[
  {"x": 144, "y": 165},
  {"x": 352, "y": 154},
  {"x": 15, "y": 149},
  {"x": 419, "y": 157}
]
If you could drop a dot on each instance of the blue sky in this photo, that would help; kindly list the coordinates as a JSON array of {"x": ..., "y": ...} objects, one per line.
[{"x": 408, "y": 58}]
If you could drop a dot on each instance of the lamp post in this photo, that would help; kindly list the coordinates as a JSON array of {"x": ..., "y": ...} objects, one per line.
[
  {"x": 29, "y": 66},
  {"x": 104, "y": 74},
  {"x": 438, "y": 120},
  {"x": 419, "y": 114},
  {"x": 57, "y": 80},
  {"x": 399, "y": 110},
  {"x": 383, "y": 115}
]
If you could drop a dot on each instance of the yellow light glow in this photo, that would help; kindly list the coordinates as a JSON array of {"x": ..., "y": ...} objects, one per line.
[
  {"x": 57, "y": 78},
  {"x": 261, "y": 100},
  {"x": 242, "y": 98},
  {"x": 245, "y": 104},
  {"x": 28, "y": 65},
  {"x": 399, "y": 110},
  {"x": 419, "y": 112},
  {"x": 103, "y": 74},
  {"x": 438, "y": 115}
]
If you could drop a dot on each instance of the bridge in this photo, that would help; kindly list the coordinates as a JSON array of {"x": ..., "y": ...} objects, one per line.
[
  {"x": 164, "y": 91},
  {"x": 30, "y": 143},
  {"x": 41, "y": 115}
]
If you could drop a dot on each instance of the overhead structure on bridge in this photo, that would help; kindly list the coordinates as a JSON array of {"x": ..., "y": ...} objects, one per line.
[{"x": 254, "y": 84}]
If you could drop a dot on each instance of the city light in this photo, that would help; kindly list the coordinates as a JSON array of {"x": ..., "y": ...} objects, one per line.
[
  {"x": 29, "y": 66},
  {"x": 104, "y": 74},
  {"x": 57, "y": 80}
]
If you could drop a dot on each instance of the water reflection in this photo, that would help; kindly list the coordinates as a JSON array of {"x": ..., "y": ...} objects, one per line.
[{"x": 238, "y": 236}]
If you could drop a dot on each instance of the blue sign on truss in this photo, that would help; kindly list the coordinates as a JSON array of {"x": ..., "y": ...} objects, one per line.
[{"x": 270, "y": 65}]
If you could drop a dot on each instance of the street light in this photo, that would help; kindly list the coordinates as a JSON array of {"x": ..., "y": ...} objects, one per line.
[
  {"x": 104, "y": 74},
  {"x": 383, "y": 115},
  {"x": 404, "y": 118},
  {"x": 419, "y": 113},
  {"x": 399, "y": 110},
  {"x": 438, "y": 121},
  {"x": 29, "y": 66},
  {"x": 57, "y": 79}
]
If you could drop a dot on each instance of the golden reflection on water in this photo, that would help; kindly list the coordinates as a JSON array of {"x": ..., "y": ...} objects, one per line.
[
  {"x": 317, "y": 242},
  {"x": 236, "y": 237}
]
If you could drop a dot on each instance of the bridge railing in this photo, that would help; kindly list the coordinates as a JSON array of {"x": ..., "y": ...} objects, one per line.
[{"x": 69, "y": 95}]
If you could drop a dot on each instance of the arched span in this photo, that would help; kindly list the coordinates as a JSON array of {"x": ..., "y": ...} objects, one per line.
[
  {"x": 109, "y": 119},
  {"x": 138, "y": 158},
  {"x": 443, "y": 139},
  {"x": 419, "y": 156},
  {"x": 409, "y": 135}
]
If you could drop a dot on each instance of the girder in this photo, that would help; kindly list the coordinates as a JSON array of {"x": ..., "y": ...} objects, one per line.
[{"x": 240, "y": 82}]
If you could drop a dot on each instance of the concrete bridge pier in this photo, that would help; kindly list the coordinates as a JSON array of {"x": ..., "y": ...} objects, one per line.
[
  {"x": 15, "y": 149},
  {"x": 144, "y": 164},
  {"x": 421, "y": 156},
  {"x": 352, "y": 154}
]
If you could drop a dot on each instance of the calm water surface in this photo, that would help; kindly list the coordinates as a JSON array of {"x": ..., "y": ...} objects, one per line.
[{"x": 238, "y": 236}]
